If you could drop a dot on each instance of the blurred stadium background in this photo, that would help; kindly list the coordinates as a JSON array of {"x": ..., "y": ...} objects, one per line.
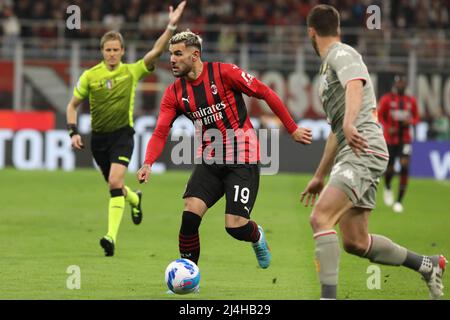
[{"x": 41, "y": 60}]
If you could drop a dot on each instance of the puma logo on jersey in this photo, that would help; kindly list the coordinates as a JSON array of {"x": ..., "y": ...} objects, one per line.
[{"x": 185, "y": 99}]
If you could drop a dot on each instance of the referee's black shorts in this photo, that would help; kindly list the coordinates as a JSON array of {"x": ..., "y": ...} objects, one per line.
[
  {"x": 112, "y": 147},
  {"x": 239, "y": 183}
]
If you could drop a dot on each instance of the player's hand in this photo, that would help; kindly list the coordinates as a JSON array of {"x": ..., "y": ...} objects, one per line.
[
  {"x": 312, "y": 190},
  {"x": 355, "y": 141},
  {"x": 174, "y": 15},
  {"x": 302, "y": 135},
  {"x": 144, "y": 173},
  {"x": 77, "y": 144}
]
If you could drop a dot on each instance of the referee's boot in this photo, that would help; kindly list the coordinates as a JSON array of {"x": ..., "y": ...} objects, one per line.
[
  {"x": 108, "y": 245},
  {"x": 136, "y": 211},
  {"x": 262, "y": 250}
]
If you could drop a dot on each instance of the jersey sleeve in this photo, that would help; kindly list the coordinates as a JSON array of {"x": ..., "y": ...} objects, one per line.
[
  {"x": 81, "y": 90},
  {"x": 242, "y": 81},
  {"x": 167, "y": 114},
  {"x": 139, "y": 69},
  {"x": 348, "y": 65}
]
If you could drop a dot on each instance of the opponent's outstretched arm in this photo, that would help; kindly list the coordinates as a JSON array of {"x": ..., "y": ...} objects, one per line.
[{"x": 317, "y": 183}]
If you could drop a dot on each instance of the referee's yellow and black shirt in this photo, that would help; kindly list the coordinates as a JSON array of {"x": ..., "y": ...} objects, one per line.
[{"x": 111, "y": 94}]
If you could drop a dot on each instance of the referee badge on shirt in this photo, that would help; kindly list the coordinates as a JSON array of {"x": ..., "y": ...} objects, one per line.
[{"x": 109, "y": 84}]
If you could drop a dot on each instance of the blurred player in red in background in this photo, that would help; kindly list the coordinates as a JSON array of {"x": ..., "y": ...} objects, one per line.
[{"x": 397, "y": 113}]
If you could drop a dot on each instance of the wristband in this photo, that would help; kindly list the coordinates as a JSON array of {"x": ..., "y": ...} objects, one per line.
[
  {"x": 172, "y": 27},
  {"x": 73, "y": 130}
]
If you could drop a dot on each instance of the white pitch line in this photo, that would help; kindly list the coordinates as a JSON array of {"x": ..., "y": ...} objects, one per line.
[{"x": 444, "y": 183}]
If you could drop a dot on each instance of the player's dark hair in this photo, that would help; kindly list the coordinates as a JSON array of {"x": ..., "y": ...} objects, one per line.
[
  {"x": 400, "y": 77},
  {"x": 189, "y": 39},
  {"x": 325, "y": 20}
]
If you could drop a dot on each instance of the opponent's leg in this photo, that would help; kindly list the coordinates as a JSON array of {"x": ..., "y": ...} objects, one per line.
[
  {"x": 332, "y": 203},
  {"x": 357, "y": 241},
  {"x": 379, "y": 249}
]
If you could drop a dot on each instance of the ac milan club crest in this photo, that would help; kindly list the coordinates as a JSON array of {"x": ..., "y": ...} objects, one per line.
[{"x": 214, "y": 89}]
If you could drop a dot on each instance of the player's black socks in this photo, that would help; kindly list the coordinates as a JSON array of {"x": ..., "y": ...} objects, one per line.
[
  {"x": 388, "y": 177},
  {"x": 189, "y": 240},
  {"x": 248, "y": 232},
  {"x": 404, "y": 173}
]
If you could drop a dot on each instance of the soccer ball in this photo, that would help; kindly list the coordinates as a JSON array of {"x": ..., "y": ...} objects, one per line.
[{"x": 182, "y": 276}]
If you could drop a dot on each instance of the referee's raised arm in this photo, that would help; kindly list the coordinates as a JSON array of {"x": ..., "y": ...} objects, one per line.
[{"x": 160, "y": 45}]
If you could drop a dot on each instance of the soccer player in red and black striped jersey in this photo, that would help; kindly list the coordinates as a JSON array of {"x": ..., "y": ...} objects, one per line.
[
  {"x": 397, "y": 113},
  {"x": 210, "y": 94}
]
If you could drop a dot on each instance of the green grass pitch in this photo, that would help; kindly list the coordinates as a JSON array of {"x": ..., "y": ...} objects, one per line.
[{"x": 52, "y": 220}]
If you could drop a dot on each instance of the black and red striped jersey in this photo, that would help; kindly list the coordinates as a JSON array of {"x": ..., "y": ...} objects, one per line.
[
  {"x": 215, "y": 104},
  {"x": 397, "y": 113}
]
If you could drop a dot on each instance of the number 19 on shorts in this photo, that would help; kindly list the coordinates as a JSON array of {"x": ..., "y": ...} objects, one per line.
[{"x": 241, "y": 194}]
